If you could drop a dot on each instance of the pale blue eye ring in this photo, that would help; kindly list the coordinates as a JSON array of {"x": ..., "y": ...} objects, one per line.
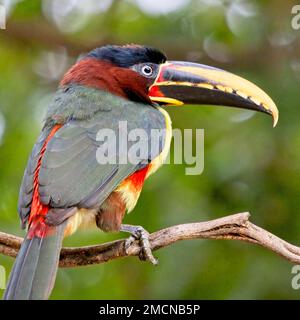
[{"x": 147, "y": 70}]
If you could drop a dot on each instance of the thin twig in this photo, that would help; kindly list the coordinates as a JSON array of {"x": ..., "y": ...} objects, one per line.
[{"x": 233, "y": 227}]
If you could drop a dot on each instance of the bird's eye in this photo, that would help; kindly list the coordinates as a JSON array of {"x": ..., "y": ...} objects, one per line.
[{"x": 147, "y": 70}]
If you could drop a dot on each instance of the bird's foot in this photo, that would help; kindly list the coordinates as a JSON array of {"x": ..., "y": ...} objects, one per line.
[{"x": 139, "y": 233}]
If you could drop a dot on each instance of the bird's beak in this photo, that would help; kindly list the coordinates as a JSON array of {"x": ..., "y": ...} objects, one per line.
[{"x": 179, "y": 83}]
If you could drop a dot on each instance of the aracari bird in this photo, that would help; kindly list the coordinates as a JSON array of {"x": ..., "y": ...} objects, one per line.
[{"x": 64, "y": 186}]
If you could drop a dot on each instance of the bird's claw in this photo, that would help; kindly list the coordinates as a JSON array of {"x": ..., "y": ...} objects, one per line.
[{"x": 139, "y": 233}]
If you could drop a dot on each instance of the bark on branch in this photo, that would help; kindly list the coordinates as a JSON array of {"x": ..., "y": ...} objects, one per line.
[{"x": 233, "y": 227}]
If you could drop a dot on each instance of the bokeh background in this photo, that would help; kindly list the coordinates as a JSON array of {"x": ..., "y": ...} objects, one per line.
[{"x": 248, "y": 165}]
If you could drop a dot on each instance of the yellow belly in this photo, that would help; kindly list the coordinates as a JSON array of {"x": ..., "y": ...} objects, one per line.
[{"x": 83, "y": 218}]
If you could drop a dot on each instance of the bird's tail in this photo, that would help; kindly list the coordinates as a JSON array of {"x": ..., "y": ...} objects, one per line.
[{"x": 34, "y": 272}]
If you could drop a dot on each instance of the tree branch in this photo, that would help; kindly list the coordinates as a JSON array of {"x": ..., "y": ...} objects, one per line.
[{"x": 233, "y": 227}]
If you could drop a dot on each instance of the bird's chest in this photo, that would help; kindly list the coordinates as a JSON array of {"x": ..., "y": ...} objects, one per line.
[
  {"x": 131, "y": 187},
  {"x": 109, "y": 216}
]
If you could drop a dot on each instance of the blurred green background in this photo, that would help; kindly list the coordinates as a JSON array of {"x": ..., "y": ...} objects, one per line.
[{"x": 248, "y": 165}]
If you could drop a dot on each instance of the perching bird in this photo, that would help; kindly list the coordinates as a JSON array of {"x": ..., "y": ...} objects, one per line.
[{"x": 65, "y": 186}]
